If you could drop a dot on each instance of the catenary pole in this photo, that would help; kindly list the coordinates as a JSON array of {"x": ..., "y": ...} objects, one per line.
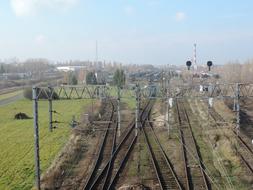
[
  {"x": 137, "y": 109},
  {"x": 118, "y": 110},
  {"x": 237, "y": 108},
  {"x": 50, "y": 109},
  {"x": 36, "y": 138}
]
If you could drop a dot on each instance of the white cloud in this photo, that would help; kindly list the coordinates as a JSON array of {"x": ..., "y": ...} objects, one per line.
[
  {"x": 30, "y": 7},
  {"x": 180, "y": 16},
  {"x": 40, "y": 39},
  {"x": 23, "y": 7}
]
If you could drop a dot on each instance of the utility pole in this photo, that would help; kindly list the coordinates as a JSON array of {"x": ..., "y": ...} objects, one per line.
[
  {"x": 163, "y": 79},
  {"x": 118, "y": 108},
  {"x": 237, "y": 109},
  {"x": 36, "y": 138},
  {"x": 166, "y": 101},
  {"x": 137, "y": 91},
  {"x": 210, "y": 105},
  {"x": 195, "y": 67},
  {"x": 50, "y": 109},
  {"x": 170, "y": 104},
  {"x": 166, "y": 119},
  {"x": 234, "y": 106},
  {"x": 99, "y": 93}
]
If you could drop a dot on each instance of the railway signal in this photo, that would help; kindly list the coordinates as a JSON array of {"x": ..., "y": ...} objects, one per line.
[
  {"x": 209, "y": 64},
  {"x": 188, "y": 64}
]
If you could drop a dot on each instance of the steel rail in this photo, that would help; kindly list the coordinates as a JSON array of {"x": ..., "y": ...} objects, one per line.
[
  {"x": 101, "y": 149},
  {"x": 102, "y": 173},
  {"x": 143, "y": 117},
  {"x": 122, "y": 164},
  {"x": 197, "y": 150},
  {"x": 165, "y": 157},
  {"x": 200, "y": 163},
  {"x": 215, "y": 115},
  {"x": 158, "y": 166},
  {"x": 107, "y": 177},
  {"x": 183, "y": 149}
]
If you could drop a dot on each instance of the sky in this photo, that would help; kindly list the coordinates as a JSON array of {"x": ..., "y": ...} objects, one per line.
[{"x": 129, "y": 31}]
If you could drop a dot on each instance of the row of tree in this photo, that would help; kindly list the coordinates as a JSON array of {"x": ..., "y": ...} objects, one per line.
[
  {"x": 28, "y": 66},
  {"x": 234, "y": 72},
  {"x": 119, "y": 78},
  {"x": 2, "y": 69}
]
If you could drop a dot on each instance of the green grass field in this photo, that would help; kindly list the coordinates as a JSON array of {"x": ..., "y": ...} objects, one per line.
[
  {"x": 130, "y": 102},
  {"x": 16, "y": 139}
]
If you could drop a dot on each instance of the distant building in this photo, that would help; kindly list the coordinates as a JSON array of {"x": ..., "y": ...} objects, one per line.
[{"x": 70, "y": 68}]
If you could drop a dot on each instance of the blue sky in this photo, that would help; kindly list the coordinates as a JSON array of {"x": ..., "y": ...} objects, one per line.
[{"x": 130, "y": 31}]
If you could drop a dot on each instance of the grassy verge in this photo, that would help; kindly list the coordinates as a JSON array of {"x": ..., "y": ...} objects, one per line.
[
  {"x": 11, "y": 94},
  {"x": 218, "y": 154},
  {"x": 16, "y": 140},
  {"x": 130, "y": 102}
]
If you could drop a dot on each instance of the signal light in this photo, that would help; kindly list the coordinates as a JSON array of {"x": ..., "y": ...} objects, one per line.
[
  {"x": 209, "y": 64},
  {"x": 188, "y": 64}
]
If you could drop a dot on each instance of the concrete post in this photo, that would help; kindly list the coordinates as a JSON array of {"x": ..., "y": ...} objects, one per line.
[
  {"x": 118, "y": 110},
  {"x": 167, "y": 116},
  {"x": 36, "y": 138},
  {"x": 50, "y": 109},
  {"x": 50, "y": 115},
  {"x": 237, "y": 108},
  {"x": 137, "y": 110}
]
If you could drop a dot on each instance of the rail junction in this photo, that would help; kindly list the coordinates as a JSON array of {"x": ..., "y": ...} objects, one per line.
[{"x": 115, "y": 150}]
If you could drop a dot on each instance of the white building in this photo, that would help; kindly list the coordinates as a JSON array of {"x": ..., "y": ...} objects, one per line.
[{"x": 70, "y": 68}]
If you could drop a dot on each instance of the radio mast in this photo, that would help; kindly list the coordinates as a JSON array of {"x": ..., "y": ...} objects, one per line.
[{"x": 195, "y": 67}]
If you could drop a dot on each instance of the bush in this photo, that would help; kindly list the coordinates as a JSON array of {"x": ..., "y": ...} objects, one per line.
[
  {"x": 119, "y": 78},
  {"x": 91, "y": 78},
  {"x": 21, "y": 116},
  {"x": 73, "y": 79},
  {"x": 43, "y": 94}
]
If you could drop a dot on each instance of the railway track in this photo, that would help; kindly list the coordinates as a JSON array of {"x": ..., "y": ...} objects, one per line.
[
  {"x": 118, "y": 169},
  {"x": 244, "y": 151},
  {"x": 163, "y": 168},
  {"x": 194, "y": 168},
  {"x": 106, "y": 148},
  {"x": 108, "y": 175},
  {"x": 216, "y": 117}
]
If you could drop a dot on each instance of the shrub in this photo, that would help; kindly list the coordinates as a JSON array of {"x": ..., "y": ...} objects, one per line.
[{"x": 20, "y": 116}]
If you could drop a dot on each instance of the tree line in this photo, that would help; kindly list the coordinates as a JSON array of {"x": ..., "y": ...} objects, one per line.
[
  {"x": 119, "y": 78},
  {"x": 235, "y": 72}
]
